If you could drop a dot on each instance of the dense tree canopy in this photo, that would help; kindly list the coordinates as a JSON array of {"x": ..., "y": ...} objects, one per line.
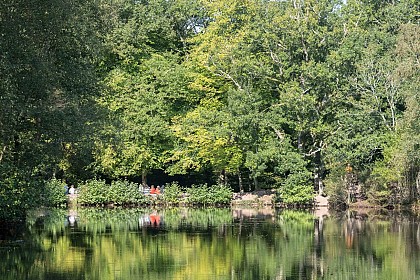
[{"x": 263, "y": 94}]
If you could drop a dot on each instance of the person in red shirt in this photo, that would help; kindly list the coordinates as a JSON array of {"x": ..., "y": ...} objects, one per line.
[{"x": 152, "y": 190}]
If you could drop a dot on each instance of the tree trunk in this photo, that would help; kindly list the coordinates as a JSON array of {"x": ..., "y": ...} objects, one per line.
[
  {"x": 418, "y": 184},
  {"x": 300, "y": 144},
  {"x": 222, "y": 178},
  {"x": 413, "y": 182},
  {"x": 250, "y": 182},
  {"x": 256, "y": 183},
  {"x": 144, "y": 177},
  {"x": 241, "y": 186},
  {"x": 318, "y": 185},
  {"x": 318, "y": 171}
]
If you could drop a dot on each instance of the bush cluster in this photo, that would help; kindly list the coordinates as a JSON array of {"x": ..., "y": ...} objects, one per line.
[
  {"x": 296, "y": 190},
  {"x": 122, "y": 192},
  {"x": 18, "y": 194},
  {"x": 98, "y": 192},
  {"x": 53, "y": 193},
  {"x": 172, "y": 193},
  {"x": 15, "y": 198},
  {"x": 205, "y": 195}
]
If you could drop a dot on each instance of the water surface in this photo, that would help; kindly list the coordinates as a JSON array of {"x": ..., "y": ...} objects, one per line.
[{"x": 217, "y": 243}]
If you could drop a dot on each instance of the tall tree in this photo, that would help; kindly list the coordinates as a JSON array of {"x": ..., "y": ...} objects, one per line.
[
  {"x": 47, "y": 52},
  {"x": 274, "y": 57},
  {"x": 373, "y": 103},
  {"x": 146, "y": 85}
]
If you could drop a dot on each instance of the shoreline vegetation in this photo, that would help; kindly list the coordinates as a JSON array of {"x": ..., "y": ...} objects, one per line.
[{"x": 200, "y": 195}]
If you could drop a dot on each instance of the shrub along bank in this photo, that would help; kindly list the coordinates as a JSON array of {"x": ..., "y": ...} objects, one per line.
[
  {"x": 125, "y": 193},
  {"x": 18, "y": 194},
  {"x": 96, "y": 192}
]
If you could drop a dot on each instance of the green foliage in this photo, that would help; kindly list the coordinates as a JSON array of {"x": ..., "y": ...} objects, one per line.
[
  {"x": 203, "y": 139},
  {"x": 336, "y": 189},
  {"x": 18, "y": 194},
  {"x": 49, "y": 82},
  {"x": 380, "y": 196},
  {"x": 222, "y": 194},
  {"x": 205, "y": 195},
  {"x": 125, "y": 192},
  {"x": 383, "y": 178},
  {"x": 198, "y": 194},
  {"x": 53, "y": 193},
  {"x": 198, "y": 218},
  {"x": 375, "y": 112},
  {"x": 172, "y": 193},
  {"x": 297, "y": 219},
  {"x": 97, "y": 192},
  {"x": 93, "y": 192},
  {"x": 11, "y": 202},
  {"x": 145, "y": 85},
  {"x": 296, "y": 190}
]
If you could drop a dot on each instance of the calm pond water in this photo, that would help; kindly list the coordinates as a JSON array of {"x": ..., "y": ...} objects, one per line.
[{"x": 212, "y": 243}]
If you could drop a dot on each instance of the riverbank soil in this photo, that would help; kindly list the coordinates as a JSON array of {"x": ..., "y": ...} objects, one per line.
[
  {"x": 321, "y": 201},
  {"x": 261, "y": 197}
]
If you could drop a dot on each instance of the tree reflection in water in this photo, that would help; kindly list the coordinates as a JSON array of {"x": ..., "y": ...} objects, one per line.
[{"x": 215, "y": 243}]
